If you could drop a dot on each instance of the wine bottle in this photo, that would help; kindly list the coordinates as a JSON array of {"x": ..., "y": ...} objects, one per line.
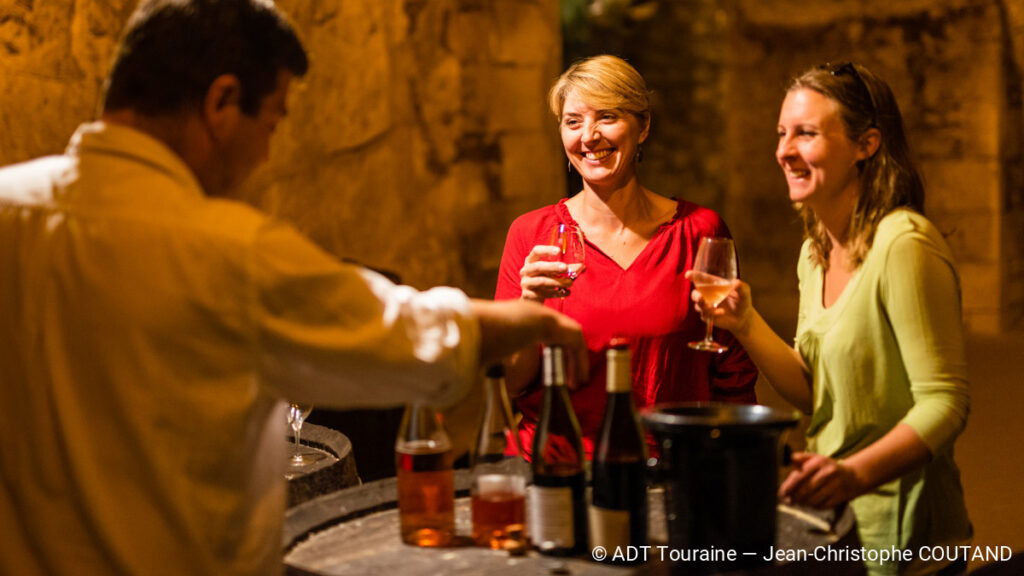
[
  {"x": 498, "y": 472},
  {"x": 426, "y": 480},
  {"x": 558, "y": 514},
  {"x": 618, "y": 510}
]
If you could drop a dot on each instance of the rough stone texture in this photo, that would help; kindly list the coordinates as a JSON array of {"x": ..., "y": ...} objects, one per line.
[
  {"x": 394, "y": 153},
  {"x": 53, "y": 56}
]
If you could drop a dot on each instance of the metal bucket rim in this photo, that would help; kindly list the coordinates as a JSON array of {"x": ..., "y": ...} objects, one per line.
[{"x": 672, "y": 416}]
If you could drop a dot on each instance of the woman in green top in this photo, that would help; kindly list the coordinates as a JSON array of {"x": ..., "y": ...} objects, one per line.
[{"x": 878, "y": 360}]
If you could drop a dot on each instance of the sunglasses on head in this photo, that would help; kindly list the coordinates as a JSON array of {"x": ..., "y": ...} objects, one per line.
[{"x": 847, "y": 68}]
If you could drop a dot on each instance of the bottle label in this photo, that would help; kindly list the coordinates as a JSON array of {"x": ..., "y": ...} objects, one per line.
[
  {"x": 551, "y": 517},
  {"x": 608, "y": 528}
]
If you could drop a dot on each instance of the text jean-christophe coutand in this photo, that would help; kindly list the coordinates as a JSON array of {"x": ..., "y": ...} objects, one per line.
[{"x": 818, "y": 554}]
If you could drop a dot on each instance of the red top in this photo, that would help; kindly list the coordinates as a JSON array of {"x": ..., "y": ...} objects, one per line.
[{"x": 648, "y": 303}]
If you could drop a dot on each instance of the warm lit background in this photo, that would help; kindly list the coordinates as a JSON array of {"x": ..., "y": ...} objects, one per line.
[{"x": 422, "y": 130}]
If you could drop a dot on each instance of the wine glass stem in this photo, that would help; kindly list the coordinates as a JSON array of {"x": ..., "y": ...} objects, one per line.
[
  {"x": 298, "y": 447},
  {"x": 711, "y": 325}
]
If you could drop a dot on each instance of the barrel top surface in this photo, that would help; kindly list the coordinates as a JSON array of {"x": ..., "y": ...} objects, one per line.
[
  {"x": 335, "y": 471},
  {"x": 356, "y": 531}
]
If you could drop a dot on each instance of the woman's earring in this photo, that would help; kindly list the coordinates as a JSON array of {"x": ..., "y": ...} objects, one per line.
[
  {"x": 569, "y": 164},
  {"x": 639, "y": 154}
]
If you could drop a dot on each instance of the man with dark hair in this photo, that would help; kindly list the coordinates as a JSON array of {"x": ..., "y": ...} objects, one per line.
[
  {"x": 151, "y": 327},
  {"x": 171, "y": 52}
]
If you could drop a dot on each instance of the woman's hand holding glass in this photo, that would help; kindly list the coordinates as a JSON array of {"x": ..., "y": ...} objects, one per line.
[
  {"x": 550, "y": 269},
  {"x": 714, "y": 270},
  {"x": 732, "y": 313}
]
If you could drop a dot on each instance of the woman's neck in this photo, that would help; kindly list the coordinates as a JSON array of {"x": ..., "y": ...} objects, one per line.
[
  {"x": 614, "y": 208},
  {"x": 836, "y": 217},
  {"x": 837, "y": 213}
]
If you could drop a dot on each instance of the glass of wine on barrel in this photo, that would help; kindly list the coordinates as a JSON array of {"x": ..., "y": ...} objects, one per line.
[
  {"x": 301, "y": 457},
  {"x": 714, "y": 269}
]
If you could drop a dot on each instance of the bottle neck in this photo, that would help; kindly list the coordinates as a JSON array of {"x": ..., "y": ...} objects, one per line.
[
  {"x": 493, "y": 388},
  {"x": 554, "y": 366},
  {"x": 494, "y": 417},
  {"x": 620, "y": 375}
]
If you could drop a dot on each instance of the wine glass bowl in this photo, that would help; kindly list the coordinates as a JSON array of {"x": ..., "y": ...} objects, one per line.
[
  {"x": 714, "y": 269},
  {"x": 569, "y": 240}
]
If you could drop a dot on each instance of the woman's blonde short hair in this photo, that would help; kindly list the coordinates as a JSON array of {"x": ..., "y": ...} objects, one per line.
[{"x": 605, "y": 82}]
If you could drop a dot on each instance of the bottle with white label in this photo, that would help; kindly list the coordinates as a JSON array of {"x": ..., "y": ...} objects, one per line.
[
  {"x": 557, "y": 509},
  {"x": 618, "y": 509}
]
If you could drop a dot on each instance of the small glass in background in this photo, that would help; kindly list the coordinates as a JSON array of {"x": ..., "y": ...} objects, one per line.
[{"x": 301, "y": 457}]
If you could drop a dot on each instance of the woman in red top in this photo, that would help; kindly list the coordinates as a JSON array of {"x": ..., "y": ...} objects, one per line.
[{"x": 639, "y": 245}]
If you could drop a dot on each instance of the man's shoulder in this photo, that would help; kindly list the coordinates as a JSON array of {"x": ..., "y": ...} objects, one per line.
[{"x": 33, "y": 181}]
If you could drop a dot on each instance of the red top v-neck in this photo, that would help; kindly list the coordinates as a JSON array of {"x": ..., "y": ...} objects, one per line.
[{"x": 649, "y": 303}]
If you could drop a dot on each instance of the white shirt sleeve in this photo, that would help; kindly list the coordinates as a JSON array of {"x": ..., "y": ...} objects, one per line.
[{"x": 344, "y": 336}]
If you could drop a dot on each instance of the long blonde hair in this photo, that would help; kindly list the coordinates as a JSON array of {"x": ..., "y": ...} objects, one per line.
[{"x": 888, "y": 179}]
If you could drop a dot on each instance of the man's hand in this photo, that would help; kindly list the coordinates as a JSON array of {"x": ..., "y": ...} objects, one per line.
[{"x": 508, "y": 326}]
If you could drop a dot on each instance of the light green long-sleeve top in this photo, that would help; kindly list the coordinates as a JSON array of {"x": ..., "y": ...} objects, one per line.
[{"x": 890, "y": 350}]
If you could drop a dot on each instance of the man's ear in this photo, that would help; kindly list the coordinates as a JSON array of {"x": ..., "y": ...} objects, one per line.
[
  {"x": 221, "y": 106},
  {"x": 869, "y": 142}
]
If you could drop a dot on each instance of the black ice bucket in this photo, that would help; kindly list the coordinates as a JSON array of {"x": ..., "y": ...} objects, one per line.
[{"x": 719, "y": 465}]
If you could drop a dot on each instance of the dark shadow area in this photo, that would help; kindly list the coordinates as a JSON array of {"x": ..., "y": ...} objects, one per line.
[{"x": 372, "y": 434}]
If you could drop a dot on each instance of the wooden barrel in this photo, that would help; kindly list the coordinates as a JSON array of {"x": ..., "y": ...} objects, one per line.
[
  {"x": 336, "y": 471},
  {"x": 356, "y": 531}
]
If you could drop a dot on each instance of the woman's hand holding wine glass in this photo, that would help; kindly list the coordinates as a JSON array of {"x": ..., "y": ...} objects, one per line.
[
  {"x": 713, "y": 276},
  {"x": 550, "y": 269},
  {"x": 732, "y": 313}
]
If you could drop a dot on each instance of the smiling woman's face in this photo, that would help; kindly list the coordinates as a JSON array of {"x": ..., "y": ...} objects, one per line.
[
  {"x": 817, "y": 156},
  {"x": 601, "y": 143}
]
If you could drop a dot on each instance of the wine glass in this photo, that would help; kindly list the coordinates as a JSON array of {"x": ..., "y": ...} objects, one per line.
[
  {"x": 569, "y": 240},
  {"x": 714, "y": 269},
  {"x": 297, "y": 414}
]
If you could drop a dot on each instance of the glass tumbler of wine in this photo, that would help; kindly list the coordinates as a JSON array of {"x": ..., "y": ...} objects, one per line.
[
  {"x": 297, "y": 414},
  {"x": 714, "y": 269}
]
